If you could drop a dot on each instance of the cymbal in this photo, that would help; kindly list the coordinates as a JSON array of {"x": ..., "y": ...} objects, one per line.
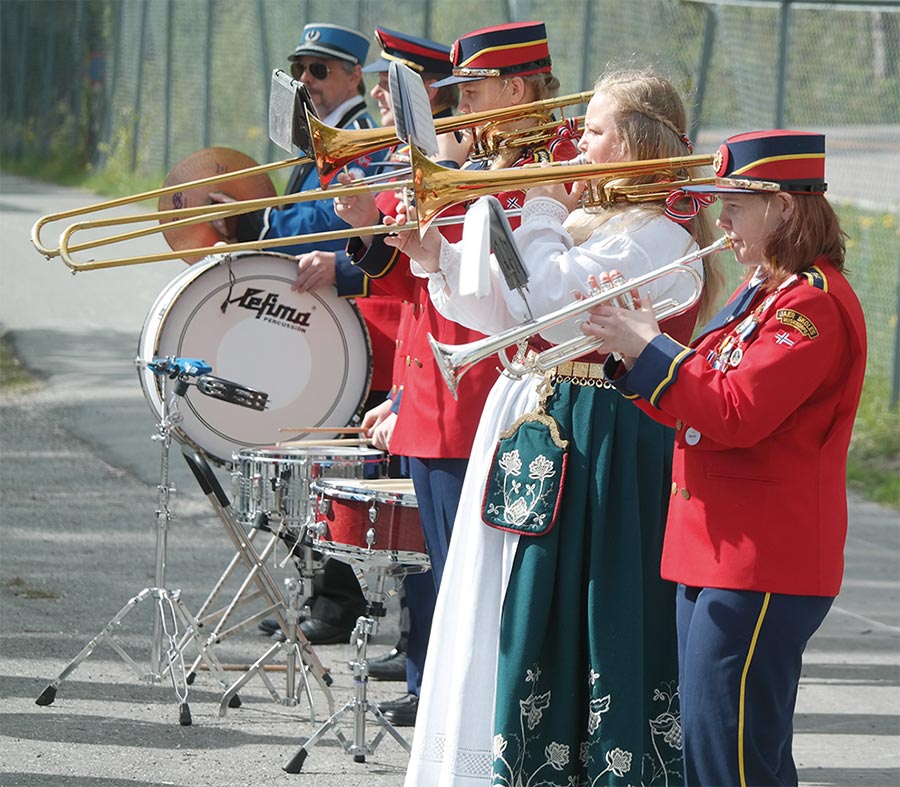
[{"x": 203, "y": 164}]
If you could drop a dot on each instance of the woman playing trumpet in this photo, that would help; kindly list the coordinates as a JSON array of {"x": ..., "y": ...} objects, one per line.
[
  {"x": 763, "y": 402},
  {"x": 553, "y": 649}
]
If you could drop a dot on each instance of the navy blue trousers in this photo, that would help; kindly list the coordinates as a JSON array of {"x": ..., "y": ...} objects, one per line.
[
  {"x": 438, "y": 483},
  {"x": 739, "y": 657}
]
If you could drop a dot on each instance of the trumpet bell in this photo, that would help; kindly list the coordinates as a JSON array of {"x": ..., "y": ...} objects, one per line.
[{"x": 196, "y": 167}]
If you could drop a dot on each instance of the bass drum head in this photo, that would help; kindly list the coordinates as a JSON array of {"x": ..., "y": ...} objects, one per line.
[{"x": 309, "y": 351}]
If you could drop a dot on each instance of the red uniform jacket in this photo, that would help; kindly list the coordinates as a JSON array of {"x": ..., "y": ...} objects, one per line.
[
  {"x": 431, "y": 424},
  {"x": 763, "y": 405}
]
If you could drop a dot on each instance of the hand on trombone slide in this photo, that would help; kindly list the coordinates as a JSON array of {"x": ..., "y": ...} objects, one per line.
[
  {"x": 567, "y": 194},
  {"x": 624, "y": 331},
  {"x": 357, "y": 210},
  {"x": 424, "y": 249},
  {"x": 226, "y": 227}
]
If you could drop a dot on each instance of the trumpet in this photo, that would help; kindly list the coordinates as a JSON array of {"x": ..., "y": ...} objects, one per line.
[
  {"x": 455, "y": 360},
  {"x": 331, "y": 148}
]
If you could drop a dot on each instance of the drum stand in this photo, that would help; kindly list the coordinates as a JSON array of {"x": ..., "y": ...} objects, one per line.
[
  {"x": 169, "y": 608},
  {"x": 360, "y": 704},
  {"x": 296, "y": 648}
]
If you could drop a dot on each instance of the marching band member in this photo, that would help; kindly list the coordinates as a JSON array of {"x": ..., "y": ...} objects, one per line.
[
  {"x": 495, "y": 67},
  {"x": 328, "y": 61},
  {"x": 431, "y": 61},
  {"x": 553, "y": 649},
  {"x": 763, "y": 402}
]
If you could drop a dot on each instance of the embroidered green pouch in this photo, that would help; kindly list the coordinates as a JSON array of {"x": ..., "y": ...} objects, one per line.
[{"x": 524, "y": 485}]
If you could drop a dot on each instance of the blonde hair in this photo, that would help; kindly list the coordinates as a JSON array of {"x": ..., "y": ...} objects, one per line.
[{"x": 651, "y": 121}]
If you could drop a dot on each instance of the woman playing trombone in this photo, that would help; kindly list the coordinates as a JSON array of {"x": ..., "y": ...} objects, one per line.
[{"x": 553, "y": 649}]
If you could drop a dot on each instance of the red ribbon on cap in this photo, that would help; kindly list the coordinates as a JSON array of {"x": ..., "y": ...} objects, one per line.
[{"x": 697, "y": 203}]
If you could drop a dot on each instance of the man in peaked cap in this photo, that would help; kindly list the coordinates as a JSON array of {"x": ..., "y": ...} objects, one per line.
[{"x": 328, "y": 61}]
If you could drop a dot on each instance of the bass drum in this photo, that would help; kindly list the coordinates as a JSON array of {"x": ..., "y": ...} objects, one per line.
[{"x": 309, "y": 351}]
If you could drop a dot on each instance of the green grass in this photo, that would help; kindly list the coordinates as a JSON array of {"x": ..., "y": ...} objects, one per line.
[
  {"x": 24, "y": 589},
  {"x": 13, "y": 375},
  {"x": 873, "y": 465}
]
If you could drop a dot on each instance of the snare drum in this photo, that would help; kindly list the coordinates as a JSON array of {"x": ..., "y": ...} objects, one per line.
[
  {"x": 276, "y": 480},
  {"x": 308, "y": 351},
  {"x": 375, "y": 522}
]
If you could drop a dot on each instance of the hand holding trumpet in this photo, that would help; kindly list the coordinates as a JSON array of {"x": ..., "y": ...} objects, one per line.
[{"x": 625, "y": 331}]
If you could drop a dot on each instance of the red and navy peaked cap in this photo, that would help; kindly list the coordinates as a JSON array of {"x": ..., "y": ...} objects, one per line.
[
  {"x": 335, "y": 41},
  {"x": 777, "y": 160},
  {"x": 514, "y": 49},
  {"x": 420, "y": 54}
]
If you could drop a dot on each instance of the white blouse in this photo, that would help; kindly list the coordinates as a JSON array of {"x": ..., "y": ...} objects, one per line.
[{"x": 632, "y": 242}]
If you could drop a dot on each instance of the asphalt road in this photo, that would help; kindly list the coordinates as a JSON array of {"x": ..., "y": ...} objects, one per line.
[{"x": 78, "y": 479}]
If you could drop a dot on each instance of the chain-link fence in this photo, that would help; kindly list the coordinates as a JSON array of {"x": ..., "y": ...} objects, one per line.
[{"x": 139, "y": 84}]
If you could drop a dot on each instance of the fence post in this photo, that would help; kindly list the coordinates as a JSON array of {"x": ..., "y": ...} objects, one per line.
[
  {"x": 895, "y": 384},
  {"x": 268, "y": 150},
  {"x": 709, "y": 40},
  {"x": 586, "y": 30},
  {"x": 784, "y": 16},
  {"x": 135, "y": 120},
  {"x": 207, "y": 75},
  {"x": 167, "y": 99}
]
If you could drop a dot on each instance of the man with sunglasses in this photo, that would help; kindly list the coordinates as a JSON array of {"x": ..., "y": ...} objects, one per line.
[{"x": 328, "y": 61}]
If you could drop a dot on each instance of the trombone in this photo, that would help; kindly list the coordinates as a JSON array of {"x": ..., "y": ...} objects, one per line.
[
  {"x": 455, "y": 360},
  {"x": 334, "y": 148},
  {"x": 434, "y": 188},
  {"x": 331, "y": 149}
]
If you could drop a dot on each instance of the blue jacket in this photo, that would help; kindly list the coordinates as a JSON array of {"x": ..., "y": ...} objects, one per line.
[{"x": 302, "y": 218}]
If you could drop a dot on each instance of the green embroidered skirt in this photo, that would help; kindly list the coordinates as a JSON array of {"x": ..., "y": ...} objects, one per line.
[{"x": 587, "y": 686}]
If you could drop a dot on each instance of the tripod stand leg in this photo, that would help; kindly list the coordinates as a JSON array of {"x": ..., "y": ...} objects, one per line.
[
  {"x": 48, "y": 695},
  {"x": 359, "y": 706},
  {"x": 295, "y": 765}
]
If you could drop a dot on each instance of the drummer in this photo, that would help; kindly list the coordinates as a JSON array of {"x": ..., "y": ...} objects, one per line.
[
  {"x": 328, "y": 61},
  {"x": 431, "y": 61}
]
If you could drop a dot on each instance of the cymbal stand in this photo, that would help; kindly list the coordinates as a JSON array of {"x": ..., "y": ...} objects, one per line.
[
  {"x": 169, "y": 608},
  {"x": 359, "y": 705}
]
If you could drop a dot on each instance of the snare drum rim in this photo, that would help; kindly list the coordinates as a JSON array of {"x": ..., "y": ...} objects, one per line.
[
  {"x": 361, "y": 494},
  {"x": 281, "y": 453}
]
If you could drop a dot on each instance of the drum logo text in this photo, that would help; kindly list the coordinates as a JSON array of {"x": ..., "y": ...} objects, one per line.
[{"x": 266, "y": 306}]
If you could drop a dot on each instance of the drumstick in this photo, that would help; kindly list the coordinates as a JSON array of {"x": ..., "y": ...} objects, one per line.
[
  {"x": 336, "y": 441},
  {"x": 358, "y": 429}
]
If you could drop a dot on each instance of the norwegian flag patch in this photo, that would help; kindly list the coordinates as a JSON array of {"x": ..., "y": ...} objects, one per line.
[{"x": 783, "y": 338}]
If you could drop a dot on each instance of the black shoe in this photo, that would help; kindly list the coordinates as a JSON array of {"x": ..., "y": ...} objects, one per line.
[
  {"x": 269, "y": 626},
  {"x": 388, "y": 666},
  {"x": 402, "y": 712},
  {"x": 321, "y": 632}
]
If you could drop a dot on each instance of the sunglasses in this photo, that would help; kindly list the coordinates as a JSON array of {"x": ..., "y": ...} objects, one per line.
[{"x": 317, "y": 70}]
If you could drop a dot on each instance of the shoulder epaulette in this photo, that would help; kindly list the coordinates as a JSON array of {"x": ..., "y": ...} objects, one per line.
[{"x": 815, "y": 276}]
